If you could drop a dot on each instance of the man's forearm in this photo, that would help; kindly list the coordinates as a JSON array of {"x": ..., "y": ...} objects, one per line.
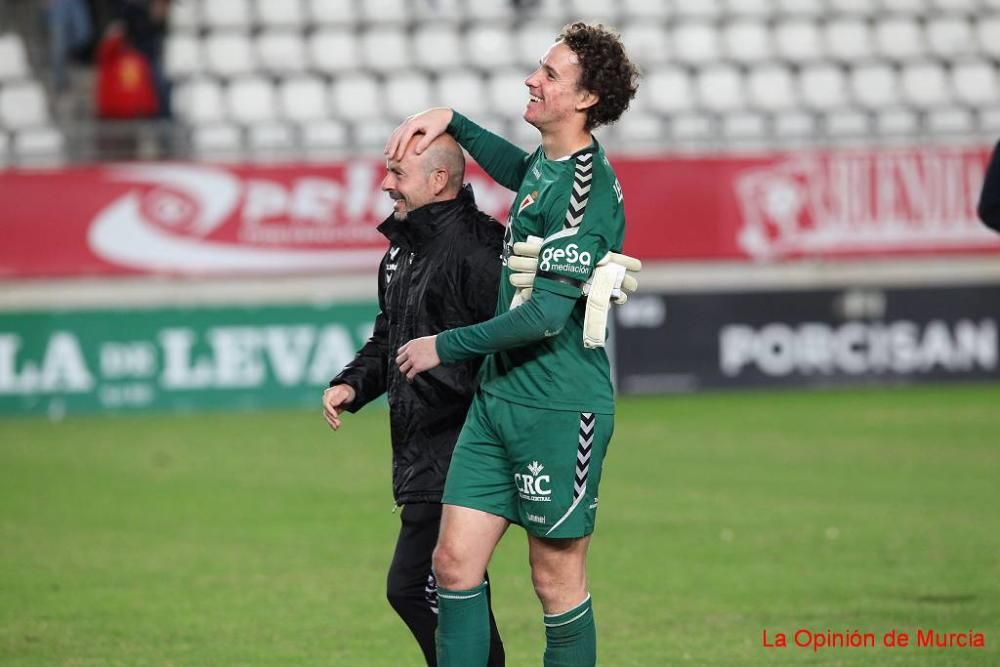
[
  {"x": 503, "y": 161},
  {"x": 544, "y": 315}
]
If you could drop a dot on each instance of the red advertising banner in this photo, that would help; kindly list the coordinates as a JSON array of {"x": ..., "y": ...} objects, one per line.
[{"x": 194, "y": 219}]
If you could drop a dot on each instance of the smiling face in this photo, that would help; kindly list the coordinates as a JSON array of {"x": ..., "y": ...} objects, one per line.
[
  {"x": 554, "y": 96},
  {"x": 408, "y": 183}
]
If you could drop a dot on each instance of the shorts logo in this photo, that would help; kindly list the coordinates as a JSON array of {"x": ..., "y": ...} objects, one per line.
[
  {"x": 535, "y": 486},
  {"x": 565, "y": 259},
  {"x": 536, "y": 518}
]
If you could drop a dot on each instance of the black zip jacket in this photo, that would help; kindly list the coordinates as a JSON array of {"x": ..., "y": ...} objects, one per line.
[
  {"x": 989, "y": 199},
  {"x": 442, "y": 271}
]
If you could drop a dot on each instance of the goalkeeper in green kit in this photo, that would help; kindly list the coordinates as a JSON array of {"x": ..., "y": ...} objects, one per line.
[{"x": 534, "y": 441}]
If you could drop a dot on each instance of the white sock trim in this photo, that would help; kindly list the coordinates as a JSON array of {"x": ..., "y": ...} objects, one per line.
[
  {"x": 570, "y": 611},
  {"x": 448, "y": 595}
]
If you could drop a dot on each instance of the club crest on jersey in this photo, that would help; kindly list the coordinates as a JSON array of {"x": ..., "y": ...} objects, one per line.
[{"x": 528, "y": 200}]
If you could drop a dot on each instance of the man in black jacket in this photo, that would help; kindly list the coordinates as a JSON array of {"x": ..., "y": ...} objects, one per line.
[
  {"x": 441, "y": 271},
  {"x": 989, "y": 199}
]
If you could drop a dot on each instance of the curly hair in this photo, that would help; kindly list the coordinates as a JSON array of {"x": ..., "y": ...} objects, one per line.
[{"x": 605, "y": 70}]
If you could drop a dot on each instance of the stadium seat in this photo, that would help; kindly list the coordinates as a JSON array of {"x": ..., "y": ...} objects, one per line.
[
  {"x": 489, "y": 12},
  {"x": 218, "y": 14},
  {"x": 691, "y": 127},
  {"x": 534, "y": 39},
  {"x": 647, "y": 42},
  {"x": 850, "y": 7},
  {"x": 720, "y": 88},
  {"x": 384, "y": 11},
  {"x": 281, "y": 52},
  {"x": 975, "y": 84},
  {"x": 437, "y": 45},
  {"x": 771, "y": 88},
  {"x": 438, "y": 11},
  {"x": 490, "y": 47},
  {"x": 463, "y": 90},
  {"x": 898, "y": 121},
  {"x": 332, "y": 12},
  {"x": 794, "y": 124},
  {"x": 695, "y": 43},
  {"x": 644, "y": 10},
  {"x": 185, "y": 15},
  {"x": 702, "y": 9},
  {"x": 507, "y": 93},
  {"x": 899, "y": 38},
  {"x": 324, "y": 135},
  {"x": 303, "y": 99},
  {"x": 39, "y": 142},
  {"x": 182, "y": 57},
  {"x": 371, "y": 133},
  {"x": 822, "y": 87},
  {"x": 798, "y": 41},
  {"x": 800, "y": 8},
  {"x": 406, "y": 93},
  {"x": 270, "y": 138},
  {"x": 13, "y": 58},
  {"x": 23, "y": 105},
  {"x": 848, "y": 40},
  {"x": 229, "y": 53},
  {"x": 956, "y": 6},
  {"x": 950, "y": 37},
  {"x": 669, "y": 90},
  {"x": 951, "y": 121},
  {"x": 925, "y": 85},
  {"x": 756, "y": 8},
  {"x": 989, "y": 119},
  {"x": 602, "y": 11},
  {"x": 199, "y": 101},
  {"x": 636, "y": 127},
  {"x": 988, "y": 34},
  {"x": 217, "y": 140},
  {"x": 386, "y": 48},
  {"x": 846, "y": 123},
  {"x": 251, "y": 100},
  {"x": 334, "y": 51},
  {"x": 747, "y": 41},
  {"x": 356, "y": 97},
  {"x": 743, "y": 125},
  {"x": 281, "y": 14},
  {"x": 874, "y": 86},
  {"x": 907, "y": 7}
]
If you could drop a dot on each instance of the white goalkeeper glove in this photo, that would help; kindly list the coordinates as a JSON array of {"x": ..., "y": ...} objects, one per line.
[
  {"x": 613, "y": 279},
  {"x": 523, "y": 264}
]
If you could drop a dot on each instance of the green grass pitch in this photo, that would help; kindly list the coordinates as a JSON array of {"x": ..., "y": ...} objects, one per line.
[{"x": 263, "y": 539}]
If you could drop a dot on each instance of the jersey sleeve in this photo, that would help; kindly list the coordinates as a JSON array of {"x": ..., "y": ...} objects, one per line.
[
  {"x": 503, "y": 161},
  {"x": 581, "y": 226}
]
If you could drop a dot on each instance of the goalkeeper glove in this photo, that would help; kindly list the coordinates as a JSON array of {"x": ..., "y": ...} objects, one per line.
[{"x": 613, "y": 279}]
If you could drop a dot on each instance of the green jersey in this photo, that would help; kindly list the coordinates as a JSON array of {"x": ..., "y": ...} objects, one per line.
[{"x": 575, "y": 205}]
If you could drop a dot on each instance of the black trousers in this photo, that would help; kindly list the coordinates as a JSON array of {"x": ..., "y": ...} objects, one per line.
[{"x": 411, "y": 588}]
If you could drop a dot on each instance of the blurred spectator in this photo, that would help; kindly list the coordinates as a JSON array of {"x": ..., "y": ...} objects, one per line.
[
  {"x": 146, "y": 29},
  {"x": 989, "y": 200},
  {"x": 70, "y": 30},
  {"x": 125, "y": 85}
]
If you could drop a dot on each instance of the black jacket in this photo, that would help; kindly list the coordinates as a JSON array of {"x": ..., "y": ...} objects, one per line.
[
  {"x": 441, "y": 271},
  {"x": 989, "y": 200}
]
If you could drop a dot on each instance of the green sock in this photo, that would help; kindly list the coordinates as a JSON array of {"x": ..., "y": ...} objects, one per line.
[
  {"x": 463, "y": 632},
  {"x": 570, "y": 637}
]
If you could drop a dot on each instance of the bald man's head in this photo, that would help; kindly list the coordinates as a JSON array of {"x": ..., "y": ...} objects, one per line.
[{"x": 435, "y": 175}]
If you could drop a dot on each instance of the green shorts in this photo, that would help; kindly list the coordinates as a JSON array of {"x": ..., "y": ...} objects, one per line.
[{"x": 538, "y": 468}]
